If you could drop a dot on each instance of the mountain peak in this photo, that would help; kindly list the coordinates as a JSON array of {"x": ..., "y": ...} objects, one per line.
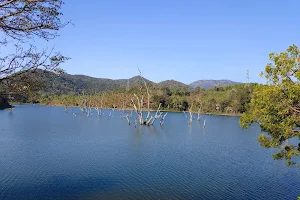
[{"x": 173, "y": 84}]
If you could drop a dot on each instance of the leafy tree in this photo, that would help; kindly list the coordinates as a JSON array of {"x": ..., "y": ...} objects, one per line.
[
  {"x": 22, "y": 21},
  {"x": 276, "y": 106},
  {"x": 209, "y": 104}
]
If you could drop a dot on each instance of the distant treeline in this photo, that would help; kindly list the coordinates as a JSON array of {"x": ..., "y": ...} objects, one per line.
[
  {"x": 71, "y": 90},
  {"x": 232, "y": 99}
]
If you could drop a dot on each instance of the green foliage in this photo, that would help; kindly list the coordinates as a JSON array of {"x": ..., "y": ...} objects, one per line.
[
  {"x": 233, "y": 97},
  {"x": 22, "y": 22},
  {"x": 276, "y": 106},
  {"x": 52, "y": 88}
]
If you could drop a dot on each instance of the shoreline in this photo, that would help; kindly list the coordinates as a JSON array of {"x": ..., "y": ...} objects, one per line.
[{"x": 128, "y": 109}]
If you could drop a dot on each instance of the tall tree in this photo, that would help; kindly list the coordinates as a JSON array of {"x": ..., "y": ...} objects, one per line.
[
  {"x": 21, "y": 21},
  {"x": 276, "y": 106}
]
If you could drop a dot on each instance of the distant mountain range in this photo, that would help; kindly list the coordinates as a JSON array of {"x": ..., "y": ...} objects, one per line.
[
  {"x": 207, "y": 84},
  {"x": 76, "y": 84}
]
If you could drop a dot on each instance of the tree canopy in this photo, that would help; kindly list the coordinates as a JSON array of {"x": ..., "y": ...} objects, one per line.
[
  {"x": 276, "y": 106},
  {"x": 21, "y": 21}
]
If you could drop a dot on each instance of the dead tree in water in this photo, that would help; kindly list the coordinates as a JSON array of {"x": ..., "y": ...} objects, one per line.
[
  {"x": 127, "y": 116},
  {"x": 80, "y": 104},
  {"x": 185, "y": 115},
  {"x": 199, "y": 111},
  {"x": 66, "y": 109},
  {"x": 99, "y": 109},
  {"x": 101, "y": 106},
  {"x": 162, "y": 119},
  {"x": 191, "y": 114},
  {"x": 108, "y": 117},
  {"x": 138, "y": 106},
  {"x": 157, "y": 115},
  {"x": 89, "y": 110},
  {"x": 135, "y": 123},
  {"x": 83, "y": 104}
]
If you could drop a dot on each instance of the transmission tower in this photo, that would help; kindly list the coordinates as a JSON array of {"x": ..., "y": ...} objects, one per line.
[
  {"x": 248, "y": 81},
  {"x": 247, "y": 77}
]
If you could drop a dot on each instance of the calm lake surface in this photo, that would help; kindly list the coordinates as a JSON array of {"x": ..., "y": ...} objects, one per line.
[{"x": 46, "y": 153}]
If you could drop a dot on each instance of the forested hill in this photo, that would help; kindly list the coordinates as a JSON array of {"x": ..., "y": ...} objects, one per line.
[
  {"x": 66, "y": 84},
  {"x": 173, "y": 85}
]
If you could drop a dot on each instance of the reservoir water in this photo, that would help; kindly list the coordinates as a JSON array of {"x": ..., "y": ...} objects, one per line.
[{"x": 46, "y": 153}]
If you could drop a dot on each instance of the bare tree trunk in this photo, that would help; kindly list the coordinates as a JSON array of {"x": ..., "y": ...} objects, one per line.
[
  {"x": 185, "y": 115},
  {"x": 127, "y": 117},
  {"x": 139, "y": 107},
  {"x": 191, "y": 114},
  {"x": 200, "y": 109},
  {"x": 89, "y": 110},
  {"x": 162, "y": 119},
  {"x": 101, "y": 106},
  {"x": 157, "y": 115},
  {"x": 148, "y": 115}
]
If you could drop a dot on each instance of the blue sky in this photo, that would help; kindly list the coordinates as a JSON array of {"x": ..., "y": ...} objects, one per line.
[{"x": 181, "y": 40}]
